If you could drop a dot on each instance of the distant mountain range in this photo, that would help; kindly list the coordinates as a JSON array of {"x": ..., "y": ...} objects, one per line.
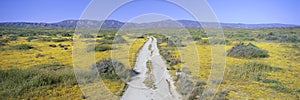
[{"x": 118, "y": 24}]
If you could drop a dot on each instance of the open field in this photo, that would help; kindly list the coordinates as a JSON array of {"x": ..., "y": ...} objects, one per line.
[{"x": 37, "y": 64}]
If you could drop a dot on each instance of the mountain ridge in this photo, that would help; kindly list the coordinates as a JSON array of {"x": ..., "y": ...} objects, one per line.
[{"x": 119, "y": 24}]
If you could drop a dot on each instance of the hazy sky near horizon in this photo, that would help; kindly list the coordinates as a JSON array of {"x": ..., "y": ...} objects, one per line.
[{"x": 228, "y": 11}]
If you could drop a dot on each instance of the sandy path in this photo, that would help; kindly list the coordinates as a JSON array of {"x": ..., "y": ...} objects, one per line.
[{"x": 164, "y": 88}]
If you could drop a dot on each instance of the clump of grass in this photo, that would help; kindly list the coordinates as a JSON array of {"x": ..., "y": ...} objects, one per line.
[
  {"x": 15, "y": 82},
  {"x": 166, "y": 53},
  {"x": 207, "y": 42},
  {"x": 12, "y": 38},
  {"x": 280, "y": 88},
  {"x": 31, "y": 38},
  {"x": 45, "y": 39},
  {"x": 247, "y": 51},
  {"x": 175, "y": 42},
  {"x": 253, "y": 70},
  {"x": 119, "y": 39},
  {"x": 289, "y": 39},
  {"x": 270, "y": 81},
  {"x": 22, "y": 47},
  {"x": 99, "y": 48},
  {"x": 60, "y": 40},
  {"x": 86, "y": 36}
]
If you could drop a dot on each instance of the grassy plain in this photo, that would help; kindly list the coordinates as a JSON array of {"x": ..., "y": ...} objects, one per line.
[{"x": 244, "y": 78}]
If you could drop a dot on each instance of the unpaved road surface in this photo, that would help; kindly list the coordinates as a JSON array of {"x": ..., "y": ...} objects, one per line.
[{"x": 163, "y": 83}]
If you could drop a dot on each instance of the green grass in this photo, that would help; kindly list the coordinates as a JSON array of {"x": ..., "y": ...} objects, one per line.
[
  {"x": 253, "y": 70},
  {"x": 21, "y": 47},
  {"x": 60, "y": 40},
  {"x": 15, "y": 82},
  {"x": 99, "y": 48},
  {"x": 270, "y": 81},
  {"x": 280, "y": 88}
]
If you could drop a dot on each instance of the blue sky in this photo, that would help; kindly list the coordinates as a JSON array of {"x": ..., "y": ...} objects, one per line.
[{"x": 229, "y": 11}]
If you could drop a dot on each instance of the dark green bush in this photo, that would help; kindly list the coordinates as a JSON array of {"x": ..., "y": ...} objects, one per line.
[
  {"x": 22, "y": 47},
  {"x": 247, "y": 51}
]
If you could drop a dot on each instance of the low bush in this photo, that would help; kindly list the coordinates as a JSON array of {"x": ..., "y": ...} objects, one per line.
[
  {"x": 21, "y": 47},
  {"x": 113, "y": 69},
  {"x": 60, "y": 40},
  {"x": 119, "y": 39},
  {"x": 99, "y": 48},
  {"x": 30, "y": 38},
  {"x": 289, "y": 39},
  {"x": 12, "y": 38},
  {"x": 86, "y": 36},
  {"x": 247, "y": 51},
  {"x": 175, "y": 41}
]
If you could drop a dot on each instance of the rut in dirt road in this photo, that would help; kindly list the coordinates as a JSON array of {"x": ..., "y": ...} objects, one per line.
[{"x": 154, "y": 81}]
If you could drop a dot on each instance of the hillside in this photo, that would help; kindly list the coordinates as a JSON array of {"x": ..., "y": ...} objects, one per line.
[{"x": 118, "y": 24}]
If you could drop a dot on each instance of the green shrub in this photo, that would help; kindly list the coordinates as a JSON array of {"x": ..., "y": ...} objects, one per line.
[
  {"x": 247, "y": 51},
  {"x": 15, "y": 82},
  {"x": 22, "y": 47}
]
